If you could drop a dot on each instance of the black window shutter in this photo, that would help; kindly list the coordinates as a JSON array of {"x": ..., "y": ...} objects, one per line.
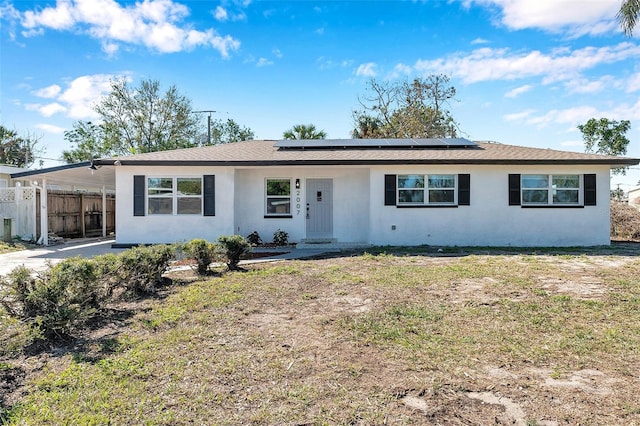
[
  {"x": 590, "y": 190},
  {"x": 464, "y": 190},
  {"x": 209, "y": 195},
  {"x": 138, "y": 195},
  {"x": 514, "y": 190},
  {"x": 389, "y": 190}
]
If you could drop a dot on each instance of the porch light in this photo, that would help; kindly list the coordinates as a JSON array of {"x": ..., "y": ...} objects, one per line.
[
  {"x": 93, "y": 168},
  {"x": 297, "y": 183}
]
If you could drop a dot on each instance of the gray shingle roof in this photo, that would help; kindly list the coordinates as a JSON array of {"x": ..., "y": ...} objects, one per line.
[{"x": 264, "y": 153}]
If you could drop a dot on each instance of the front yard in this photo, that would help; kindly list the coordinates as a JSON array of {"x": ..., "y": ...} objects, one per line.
[{"x": 413, "y": 337}]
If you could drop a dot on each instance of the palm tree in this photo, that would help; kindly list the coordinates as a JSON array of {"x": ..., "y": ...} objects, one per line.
[
  {"x": 304, "y": 131},
  {"x": 628, "y": 15}
]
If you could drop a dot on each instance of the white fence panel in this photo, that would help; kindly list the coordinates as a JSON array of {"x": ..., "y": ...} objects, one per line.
[{"x": 19, "y": 205}]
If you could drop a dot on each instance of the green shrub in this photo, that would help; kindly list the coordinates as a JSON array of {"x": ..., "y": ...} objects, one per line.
[
  {"x": 254, "y": 238},
  {"x": 280, "y": 238},
  {"x": 202, "y": 251},
  {"x": 58, "y": 301},
  {"x": 108, "y": 270},
  {"x": 15, "y": 335},
  {"x": 232, "y": 248},
  {"x": 141, "y": 268}
]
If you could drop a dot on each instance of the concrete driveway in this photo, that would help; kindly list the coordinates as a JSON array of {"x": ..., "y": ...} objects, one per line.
[{"x": 37, "y": 259}]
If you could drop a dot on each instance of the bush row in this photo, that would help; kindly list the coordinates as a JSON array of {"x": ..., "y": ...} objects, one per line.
[
  {"x": 61, "y": 300},
  {"x": 229, "y": 249}
]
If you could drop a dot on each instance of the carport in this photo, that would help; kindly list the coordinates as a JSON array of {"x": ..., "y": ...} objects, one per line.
[{"x": 79, "y": 175}]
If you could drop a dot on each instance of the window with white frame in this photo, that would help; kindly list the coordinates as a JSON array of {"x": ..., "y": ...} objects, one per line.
[
  {"x": 426, "y": 189},
  {"x": 174, "y": 195},
  {"x": 278, "y": 197},
  {"x": 550, "y": 189}
]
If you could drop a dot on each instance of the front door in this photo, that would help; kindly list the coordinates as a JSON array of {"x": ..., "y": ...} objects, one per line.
[{"x": 319, "y": 208}]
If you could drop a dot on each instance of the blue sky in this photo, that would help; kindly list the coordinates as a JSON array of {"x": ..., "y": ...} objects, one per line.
[{"x": 527, "y": 72}]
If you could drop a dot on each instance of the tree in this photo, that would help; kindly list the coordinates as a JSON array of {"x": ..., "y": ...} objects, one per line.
[
  {"x": 142, "y": 119},
  {"x": 414, "y": 109},
  {"x": 16, "y": 150},
  {"x": 304, "y": 131},
  {"x": 90, "y": 141},
  {"x": 229, "y": 131},
  {"x": 628, "y": 16},
  {"x": 604, "y": 136}
]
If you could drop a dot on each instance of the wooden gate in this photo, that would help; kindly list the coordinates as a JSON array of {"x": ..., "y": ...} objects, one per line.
[{"x": 77, "y": 214}]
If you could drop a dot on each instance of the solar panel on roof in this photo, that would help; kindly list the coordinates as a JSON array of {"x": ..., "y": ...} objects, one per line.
[{"x": 374, "y": 143}]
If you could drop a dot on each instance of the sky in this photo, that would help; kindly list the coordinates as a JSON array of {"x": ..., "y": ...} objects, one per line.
[{"x": 526, "y": 72}]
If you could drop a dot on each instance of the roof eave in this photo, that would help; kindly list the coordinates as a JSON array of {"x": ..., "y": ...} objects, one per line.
[{"x": 617, "y": 162}]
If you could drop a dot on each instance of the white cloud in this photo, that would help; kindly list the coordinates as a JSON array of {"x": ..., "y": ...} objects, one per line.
[
  {"x": 583, "y": 85},
  {"x": 486, "y": 64},
  {"x": 514, "y": 93},
  {"x": 277, "y": 53},
  {"x": 479, "y": 40},
  {"x": 576, "y": 17},
  {"x": 326, "y": 63},
  {"x": 366, "y": 70},
  {"x": 263, "y": 62},
  {"x": 518, "y": 116},
  {"x": 224, "y": 14},
  {"x": 633, "y": 83},
  {"x": 76, "y": 100},
  {"x": 572, "y": 143},
  {"x": 399, "y": 71},
  {"x": 49, "y": 128},
  {"x": 110, "y": 48},
  {"x": 576, "y": 115},
  {"x": 155, "y": 24},
  {"x": 83, "y": 92},
  {"x": 221, "y": 14},
  {"x": 48, "y": 92},
  {"x": 59, "y": 17},
  {"x": 573, "y": 116},
  {"x": 46, "y": 110}
]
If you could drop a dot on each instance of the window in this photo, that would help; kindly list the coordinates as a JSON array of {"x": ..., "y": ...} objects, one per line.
[
  {"x": 278, "y": 199},
  {"x": 168, "y": 195},
  {"x": 550, "y": 189},
  {"x": 439, "y": 189}
]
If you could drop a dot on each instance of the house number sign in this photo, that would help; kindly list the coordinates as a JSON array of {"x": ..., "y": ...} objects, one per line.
[{"x": 297, "y": 202}]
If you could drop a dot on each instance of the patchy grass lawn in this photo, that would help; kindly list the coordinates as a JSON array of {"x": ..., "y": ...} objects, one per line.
[{"x": 482, "y": 338}]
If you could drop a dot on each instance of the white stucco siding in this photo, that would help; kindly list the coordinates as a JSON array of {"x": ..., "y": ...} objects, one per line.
[
  {"x": 489, "y": 220},
  {"x": 350, "y": 202},
  {"x": 132, "y": 229}
]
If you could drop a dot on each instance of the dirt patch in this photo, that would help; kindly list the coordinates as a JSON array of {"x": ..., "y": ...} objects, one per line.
[{"x": 369, "y": 340}]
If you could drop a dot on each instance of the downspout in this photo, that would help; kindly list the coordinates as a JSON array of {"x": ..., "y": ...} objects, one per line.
[
  {"x": 104, "y": 212},
  {"x": 44, "y": 215}
]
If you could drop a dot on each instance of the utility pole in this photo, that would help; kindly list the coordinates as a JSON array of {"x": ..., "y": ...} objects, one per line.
[{"x": 208, "y": 123}]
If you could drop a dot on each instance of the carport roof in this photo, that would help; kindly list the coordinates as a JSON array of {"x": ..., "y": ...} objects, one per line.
[{"x": 77, "y": 174}]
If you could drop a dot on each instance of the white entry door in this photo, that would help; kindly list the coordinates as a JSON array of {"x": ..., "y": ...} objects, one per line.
[{"x": 319, "y": 208}]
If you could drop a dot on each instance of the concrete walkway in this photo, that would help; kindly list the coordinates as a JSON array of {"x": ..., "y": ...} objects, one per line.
[{"x": 37, "y": 259}]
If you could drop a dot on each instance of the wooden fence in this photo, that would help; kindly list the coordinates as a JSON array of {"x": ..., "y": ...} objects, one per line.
[{"x": 77, "y": 214}]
